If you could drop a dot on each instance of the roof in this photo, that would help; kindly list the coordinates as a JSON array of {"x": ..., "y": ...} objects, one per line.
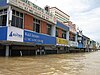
[{"x": 60, "y": 10}]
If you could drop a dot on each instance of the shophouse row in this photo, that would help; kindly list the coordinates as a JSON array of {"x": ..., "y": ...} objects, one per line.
[{"x": 27, "y": 29}]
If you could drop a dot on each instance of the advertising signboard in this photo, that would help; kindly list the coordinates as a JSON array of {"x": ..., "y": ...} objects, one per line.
[
  {"x": 80, "y": 45},
  {"x": 33, "y": 9},
  {"x": 62, "y": 42},
  {"x": 36, "y": 38},
  {"x": 3, "y": 2},
  {"x": 15, "y": 34},
  {"x": 61, "y": 25},
  {"x": 3, "y": 33},
  {"x": 73, "y": 44}
]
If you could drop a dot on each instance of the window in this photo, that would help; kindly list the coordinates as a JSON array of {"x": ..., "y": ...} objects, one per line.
[
  {"x": 3, "y": 20},
  {"x": 48, "y": 29},
  {"x": 64, "y": 34},
  {"x": 36, "y": 25},
  {"x": 17, "y": 19},
  {"x": 72, "y": 37},
  {"x": 56, "y": 32},
  {"x": 3, "y": 17}
]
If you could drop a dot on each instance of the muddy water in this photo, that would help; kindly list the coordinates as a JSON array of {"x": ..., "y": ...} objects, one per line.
[{"x": 59, "y": 64}]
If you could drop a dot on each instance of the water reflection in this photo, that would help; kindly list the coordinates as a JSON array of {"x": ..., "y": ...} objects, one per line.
[{"x": 61, "y": 64}]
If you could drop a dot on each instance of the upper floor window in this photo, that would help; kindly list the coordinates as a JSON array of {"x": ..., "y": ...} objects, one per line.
[
  {"x": 3, "y": 17},
  {"x": 48, "y": 29},
  {"x": 72, "y": 37},
  {"x": 64, "y": 34},
  {"x": 56, "y": 32},
  {"x": 17, "y": 19},
  {"x": 36, "y": 26}
]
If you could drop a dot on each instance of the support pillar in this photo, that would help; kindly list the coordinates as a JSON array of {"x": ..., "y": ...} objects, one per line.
[
  {"x": 21, "y": 54},
  {"x": 7, "y": 51},
  {"x": 53, "y": 31},
  {"x": 67, "y": 35},
  {"x": 76, "y": 38}
]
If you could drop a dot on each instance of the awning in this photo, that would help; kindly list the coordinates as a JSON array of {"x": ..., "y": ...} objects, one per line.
[{"x": 16, "y": 43}]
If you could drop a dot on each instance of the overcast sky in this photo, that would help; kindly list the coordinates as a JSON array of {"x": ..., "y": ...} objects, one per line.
[{"x": 84, "y": 13}]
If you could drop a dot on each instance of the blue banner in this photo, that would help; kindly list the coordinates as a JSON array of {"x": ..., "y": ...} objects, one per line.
[
  {"x": 37, "y": 38},
  {"x": 3, "y": 2},
  {"x": 3, "y": 33},
  {"x": 80, "y": 45},
  {"x": 61, "y": 25}
]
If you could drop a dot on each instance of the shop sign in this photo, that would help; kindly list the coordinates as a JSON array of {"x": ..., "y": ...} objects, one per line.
[
  {"x": 15, "y": 34},
  {"x": 62, "y": 42},
  {"x": 3, "y": 33},
  {"x": 73, "y": 44},
  {"x": 33, "y": 9},
  {"x": 3, "y": 2},
  {"x": 36, "y": 38},
  {"x": 80, "y": 45}
]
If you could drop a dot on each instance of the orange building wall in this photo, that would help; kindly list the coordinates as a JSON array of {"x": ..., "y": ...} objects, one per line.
[
  {"x": 43, "y": 27},
  {"x": 28, "y": 22}
]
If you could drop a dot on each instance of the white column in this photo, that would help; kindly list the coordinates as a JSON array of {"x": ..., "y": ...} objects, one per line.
[
  {"x": 9, "y": 16},
  {"x": 53, "y": 30},
  {"x": 67, "y": 35},
  {"x": 7, "y": 51},
  {"x": 76, "y": 38}
]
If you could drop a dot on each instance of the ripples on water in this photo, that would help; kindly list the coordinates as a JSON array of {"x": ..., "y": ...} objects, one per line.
[{"x": 59, "y": 64}]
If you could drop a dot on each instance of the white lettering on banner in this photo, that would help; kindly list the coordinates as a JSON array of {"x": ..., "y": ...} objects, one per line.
[
  {"x": 15, "y": 34},
  {"x": 34, "y": 9},
  {"x": 30, "y": 37}
]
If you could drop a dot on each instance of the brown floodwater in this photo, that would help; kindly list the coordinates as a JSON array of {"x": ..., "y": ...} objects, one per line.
[{"x": 58, "y": 64}]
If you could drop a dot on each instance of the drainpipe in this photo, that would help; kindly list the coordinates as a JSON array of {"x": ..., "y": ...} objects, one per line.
[{"x": 9, "y": 16}]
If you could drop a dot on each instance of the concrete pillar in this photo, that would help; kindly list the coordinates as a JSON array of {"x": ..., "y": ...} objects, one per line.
[
  {"x": 9, "y": 16},
  {"x": 7, "y": 51},
  {"x": 40, "y": 52},
  {"x": 44, "y": 52},
  {"x": 53, "y": 30},
  {"x": 67, "y": 35},
  {"x": 76, "y": 38},
  {"x": 21, "y": 54},
  {"x": 37, "y": 51}
]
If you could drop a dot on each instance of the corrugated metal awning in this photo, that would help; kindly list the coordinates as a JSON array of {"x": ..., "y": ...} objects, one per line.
[{"x": 16, "y": 43}]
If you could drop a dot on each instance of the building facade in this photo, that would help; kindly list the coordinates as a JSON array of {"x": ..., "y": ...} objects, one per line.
[
  {"x": 23, "y": 22},
  {"x": 27, "y": 29}
]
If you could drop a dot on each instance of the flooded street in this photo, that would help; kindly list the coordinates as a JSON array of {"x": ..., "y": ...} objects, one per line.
[{"x": 58, "y": 64}]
